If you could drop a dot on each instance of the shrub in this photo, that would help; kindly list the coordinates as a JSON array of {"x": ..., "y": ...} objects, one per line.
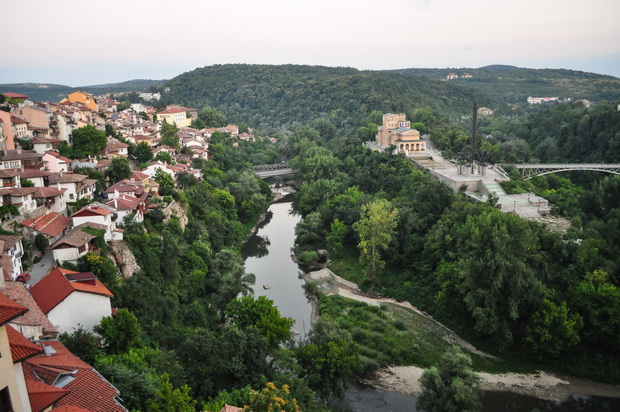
[{"x": 308, "y": 256}]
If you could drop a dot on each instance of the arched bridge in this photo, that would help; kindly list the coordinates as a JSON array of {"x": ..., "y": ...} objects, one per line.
[
  {"x": 527, "y": 171},
  {"x": 275, "y": 169}
]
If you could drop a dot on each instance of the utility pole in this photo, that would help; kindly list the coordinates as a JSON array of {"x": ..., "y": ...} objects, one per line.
[{"x": 473, "y": 137}]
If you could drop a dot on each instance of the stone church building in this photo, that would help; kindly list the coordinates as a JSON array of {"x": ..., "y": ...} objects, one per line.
[{"x": 396, "y": 130}]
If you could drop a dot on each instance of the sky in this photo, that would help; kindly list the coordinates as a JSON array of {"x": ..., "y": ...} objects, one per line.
[{"x": 87, "y": 42}]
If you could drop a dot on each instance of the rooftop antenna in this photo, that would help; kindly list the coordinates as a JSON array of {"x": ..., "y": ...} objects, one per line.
[{"x": 473, "y": 137}]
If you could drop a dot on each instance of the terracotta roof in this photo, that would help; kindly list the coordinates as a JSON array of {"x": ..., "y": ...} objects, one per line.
[
  {"x": 76, "y": 238},
  {"x": 18, "y": 191},
  {"x": 9, "y": 241},
  {"x": 15, "y": 95},
  {"x": 40, "y": 140},
  {"x": 172, "y": 111},
  {"x": 9, "y": 309},
  {"x": 6, "y": 173},
  {"x": 70, "y": 408},
  {"x": 139, "y": 176},
  {"x": 88, "y": 390},
  {"x": 127, "y": 185},
  {"x": 34, "y": 317},
  {"x": 60, "y": 283},
  {"x": 65, "y": 177},
  {"x": 42, "y": 396},
  {"x": 95, "y": 208},
  {"x": 45, "y": 192},
  {"x": 24, "y": 155},
  {"x": 21, "y": 348},
  {"x": 51, "y": 224},
  {"x": 28, "y": 173},
  {"x": 57, "y": 155},
  {"x": 124, "y": 202}
]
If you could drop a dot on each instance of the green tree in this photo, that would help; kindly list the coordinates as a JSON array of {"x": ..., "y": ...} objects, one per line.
[
  {"x": 170, "y": 399},
  {"x": 164, "y": 179},
  {"x": 119, "y": 169},
  {"x": 82, "y": 343},
  {"x": 142, "y": 152},
  {"x": 169, "y": 135},
  {"x": 375, "y": 229},
  {"x": 121, "y": 332},
  {"x": 87, "y": 141},
  {"x": 212, "y": 117},
  {"x": 328, "y": 365},
  {"x": 336, "y": 235},
  {"x": 451, "y": 386},
  {"x": 553, "y": 329},
  {"x": 163, "y": 156},
  {"x": 260, "y": 312},
  {"x": 26, "y": 183}
]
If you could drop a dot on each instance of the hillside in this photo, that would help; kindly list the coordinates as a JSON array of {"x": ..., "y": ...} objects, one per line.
[
  {"x": 273, "y": 97},
  {"x": 56, "y": 92},
  {"x": 515, "y": 84}
]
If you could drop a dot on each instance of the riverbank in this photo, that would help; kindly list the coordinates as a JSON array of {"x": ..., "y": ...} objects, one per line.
[{"x": 405, "y": 379}]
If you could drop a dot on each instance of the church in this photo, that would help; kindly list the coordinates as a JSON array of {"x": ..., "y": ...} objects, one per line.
[{"x": 396, "y": 130}]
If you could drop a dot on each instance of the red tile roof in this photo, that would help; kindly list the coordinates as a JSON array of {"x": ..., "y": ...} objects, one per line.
[
  {"x": 92, "y": 209},
  {"x": 70, "y": 408},
  {"x": 30, "y": 173},
  {"x": 45, "y": 192},
  {"x": 9, "y": 309},
  {"x": 171, "y": 111},
  {"x": 34, "y": 317},
  {"x": 21, "y": 348},
  {"x": 55, "y": 287},
  {"x": 75, "y": 238},
  {"x": 51, "y": 224},
  {"x": 89, "y": 390},
  {"x": 15, "y": 95},
  {"x": 42, "y": 396}
]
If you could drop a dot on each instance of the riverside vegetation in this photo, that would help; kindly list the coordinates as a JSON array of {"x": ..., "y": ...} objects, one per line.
[{"x": 183, "y": 341}]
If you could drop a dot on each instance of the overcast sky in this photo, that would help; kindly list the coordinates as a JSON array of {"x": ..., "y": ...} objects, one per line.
[{"x": 84, "y": 42}]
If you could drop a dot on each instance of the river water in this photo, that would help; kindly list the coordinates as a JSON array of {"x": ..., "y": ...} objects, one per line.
[{"x": 268, "y": 255}]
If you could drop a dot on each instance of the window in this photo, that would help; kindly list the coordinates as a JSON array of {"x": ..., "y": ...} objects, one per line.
[
  {"x": 71, "y": 196},
  {"x": 5, "y": 400}
]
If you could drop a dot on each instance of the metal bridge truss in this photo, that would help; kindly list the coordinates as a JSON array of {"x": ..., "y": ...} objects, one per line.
[
  {"x": 528, "y": 171},
  {"x": 269, "y": 167}
]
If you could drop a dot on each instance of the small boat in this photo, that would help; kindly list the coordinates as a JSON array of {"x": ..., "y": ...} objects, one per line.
[
  {"x": 295, "y": 332},
  {"x": 266, "y": 287}
]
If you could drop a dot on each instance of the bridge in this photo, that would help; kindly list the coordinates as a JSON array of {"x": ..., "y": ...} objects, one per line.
[
  {"x": 275, "y": 169},
  {"x": 528, "y": 171}
]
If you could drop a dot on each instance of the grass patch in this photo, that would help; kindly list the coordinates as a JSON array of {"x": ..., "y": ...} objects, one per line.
[{"x": 345, "y": 263}]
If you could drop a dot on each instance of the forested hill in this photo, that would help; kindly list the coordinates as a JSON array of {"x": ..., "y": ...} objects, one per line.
[
  {"x": 272, "y": 97},
  {"x": 56, "y": 92},
  {"x": 515, "y": 84}
]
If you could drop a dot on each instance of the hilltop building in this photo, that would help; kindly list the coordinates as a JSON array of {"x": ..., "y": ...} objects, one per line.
[{"x": 396, "y": 130}]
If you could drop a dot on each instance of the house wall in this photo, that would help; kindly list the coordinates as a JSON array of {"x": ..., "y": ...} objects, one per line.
[
  {"x": 70, "y": 254},
  {"x": 7, "y": 373},
  {"x": 80, "y": 308},
  {"x": 21, "y": 387},
  {"x": 32, "y": 332},
  {"x": 7, "y": 128},
  {"x": 54, "y": 164},
  {"x": 33, "y": 115}
]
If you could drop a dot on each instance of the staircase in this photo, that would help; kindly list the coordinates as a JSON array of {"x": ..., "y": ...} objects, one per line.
[{"x": 494, "y": 187}]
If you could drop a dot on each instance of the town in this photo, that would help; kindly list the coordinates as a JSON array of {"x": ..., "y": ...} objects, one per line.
[{"x": 52, "y": 205}]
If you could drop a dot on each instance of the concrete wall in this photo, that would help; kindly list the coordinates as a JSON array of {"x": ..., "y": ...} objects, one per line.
[
  {"x": 7, "y": 374},
  {"x": 80, "y": 308}
]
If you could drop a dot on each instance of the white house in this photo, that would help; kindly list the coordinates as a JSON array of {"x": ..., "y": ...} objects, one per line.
[
  {"x": 12, "y": 246},
  {"x": 99, "y": 214},
  {"x": 78, "y": 186},
  {"x": 74, "y": 245},
  {"x": 70, "y": 299}
]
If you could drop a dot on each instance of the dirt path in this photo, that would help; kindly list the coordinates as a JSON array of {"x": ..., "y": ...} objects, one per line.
[{"x": 405, "y": 379}]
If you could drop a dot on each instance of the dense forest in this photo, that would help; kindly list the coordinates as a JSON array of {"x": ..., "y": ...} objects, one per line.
[
  {"x": 510, "y": 284},
  {"x": 279, "y": 97},
  {"x": 184, "y": 339},
  {"x": 515, "y": 84}
]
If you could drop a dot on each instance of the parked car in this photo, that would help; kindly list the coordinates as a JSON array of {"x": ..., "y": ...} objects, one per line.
[{"x": 24, "y": 277}]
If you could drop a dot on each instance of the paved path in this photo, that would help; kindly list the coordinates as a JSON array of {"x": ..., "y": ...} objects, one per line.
[{"x": 39, "y": 270}]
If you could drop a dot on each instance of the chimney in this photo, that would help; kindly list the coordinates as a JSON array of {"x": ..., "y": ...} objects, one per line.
[{"x": 116, "y": 203}]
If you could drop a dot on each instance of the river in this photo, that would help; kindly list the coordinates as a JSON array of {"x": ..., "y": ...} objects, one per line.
[{"x": 268, "y": 255}]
